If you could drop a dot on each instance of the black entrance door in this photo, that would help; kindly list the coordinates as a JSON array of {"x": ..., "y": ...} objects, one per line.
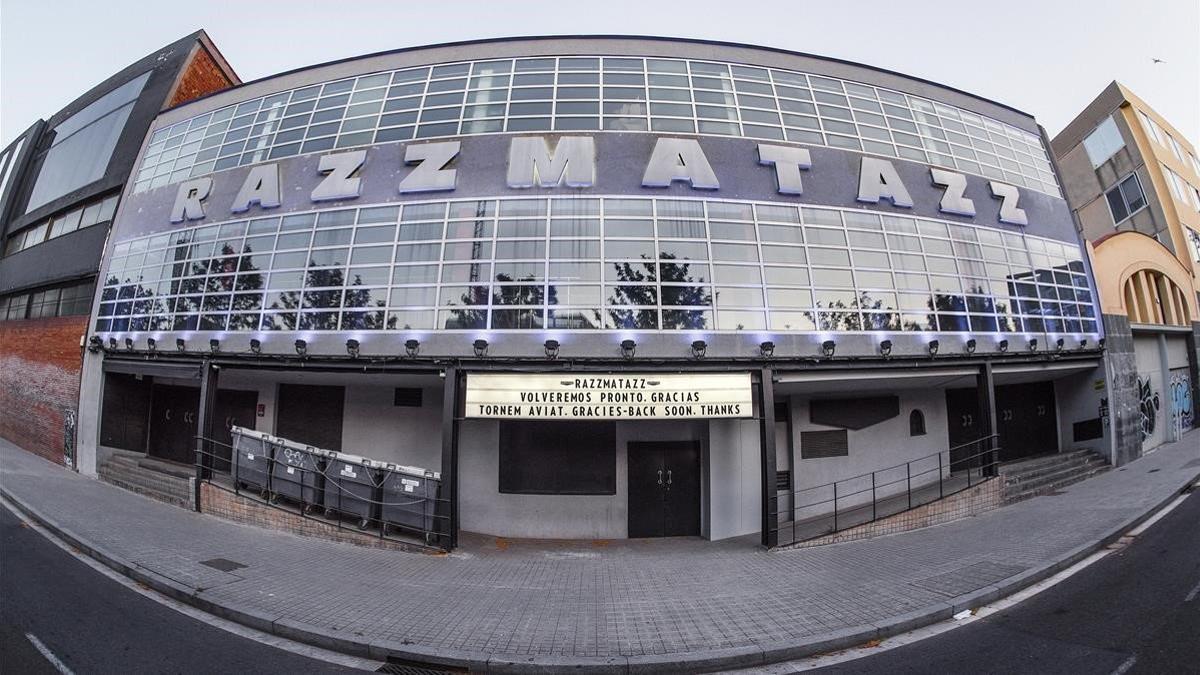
[
  {"x": 1026, "y": 420},
  {"x": 964, "y": 424},
  {"x": 173, "y": 425},
  {"x": 311, "y": 414},
  {"x": 234, "y": 407},
  {"x": 664, "y": 489}
]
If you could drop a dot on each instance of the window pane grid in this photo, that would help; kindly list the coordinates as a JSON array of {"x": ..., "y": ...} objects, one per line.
[
  {"x": 577, "y": 94},
  {"x": 623, "y": 263}
]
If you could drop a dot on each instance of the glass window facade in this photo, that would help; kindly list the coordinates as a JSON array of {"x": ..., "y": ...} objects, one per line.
[
  {"x": 592, "y": 263},
  {"x": 83, "y": 144},
  {"x": 567, "y": 94}
]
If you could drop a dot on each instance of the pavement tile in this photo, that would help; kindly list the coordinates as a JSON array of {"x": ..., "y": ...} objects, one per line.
[{"x": 634, "y": 604}]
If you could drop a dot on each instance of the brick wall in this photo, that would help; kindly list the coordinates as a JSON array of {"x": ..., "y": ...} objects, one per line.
[
  {"x": 202, "y": 76},
  {"x": 40, "y": 364},
  {"x": 972, "y": 501},
  {"x": 222, "y": 503}
]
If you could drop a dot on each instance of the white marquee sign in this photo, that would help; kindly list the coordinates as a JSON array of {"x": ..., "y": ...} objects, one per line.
[{"x": 606, "y": 396}]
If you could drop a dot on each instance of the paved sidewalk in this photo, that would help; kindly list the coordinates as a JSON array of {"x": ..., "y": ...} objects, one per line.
[{"x": 647, "y": 605}]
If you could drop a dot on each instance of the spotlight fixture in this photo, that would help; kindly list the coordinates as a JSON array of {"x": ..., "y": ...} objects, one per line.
[
  {"x": 828, "y": 347},
  {"x": 1059, "y": 344},
  {"x": 699, "y": 347},
  {"x": 180, "y": 345},
  {"x": 1033, "y": 344},
  {"x": 152, "y": 344},
  {"x": 885, "y": 349},
  {"x": 971, "y": 346},
  {"x": 214, "y": 345},
  {"x": 301, "y": 348},
  {"x": 128, "y": 344},
  {"x": 628, "y": 349},
  {"x": 481, "y": 347},
  {"x": 255, "y": 346},
  {"x": 933, "y": 347},
  {"x": 1101, "y": 344},
  {"x": 1002, "y": 346},
  {"x": 767, "y": 349},
  {"x": 112, "y": 344},
  {"x": 551, "y": 347},
  {"x": 412, "y": 347},
  {"x": 352, "y": 348},
  {"x": 95, "y": 344},
  {"x": 1083, "y": 344}
]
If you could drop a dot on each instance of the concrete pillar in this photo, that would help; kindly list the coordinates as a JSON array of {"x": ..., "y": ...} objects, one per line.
[{"x": 447, "y": 505}]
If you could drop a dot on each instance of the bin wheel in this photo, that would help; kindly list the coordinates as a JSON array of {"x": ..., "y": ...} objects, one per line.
[
  {"x": 330, "y": 512},
  {"x": 309, "y": 509},
  {"x": 264, "y": 494},
  {"x": 275, "y": 498},
  {"x": 364, "y": 524}
]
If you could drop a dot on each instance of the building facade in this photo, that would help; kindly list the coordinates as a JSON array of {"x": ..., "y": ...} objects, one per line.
[
  {"x": 607, "y": 287},
  {"x": 1131, "y": 179},
  {"x": 60, "y": 182}
]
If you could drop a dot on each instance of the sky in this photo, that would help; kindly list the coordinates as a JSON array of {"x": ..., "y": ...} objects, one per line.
[{"x": 1048, "y": 58}]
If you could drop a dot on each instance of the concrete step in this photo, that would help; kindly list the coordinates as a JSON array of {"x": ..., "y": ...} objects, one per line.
[
  {"x": 1026, "y": 475},
  {"x": 1036, "y": 463},
  {"x": 148, "y": 479},
  {"x": 169, "y": 498},
  {"x": 1030, "y": 491},
  {"x": 1049, "y": 476}
]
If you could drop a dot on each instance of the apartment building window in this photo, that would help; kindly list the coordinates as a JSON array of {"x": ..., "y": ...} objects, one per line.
[
  {"x": 98, "y": 211},
  {"x": 1126, "y": 198},
  {"x": 72, "y": 300},
  {"x": 1193, "y": 239},
  {"x": 1103, "y": 142}
]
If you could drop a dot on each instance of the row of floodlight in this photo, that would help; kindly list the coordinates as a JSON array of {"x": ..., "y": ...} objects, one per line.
[{"x": 699, "y": 348}]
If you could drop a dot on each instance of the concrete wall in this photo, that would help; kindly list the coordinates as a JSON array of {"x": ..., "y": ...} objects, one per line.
[
  {"x": 1079, "y": 398},
  {"x": 483, "y": 509},
  {"x": 873, "y": 448},
  {"x": 1124, "y": 417},
  {"x": 376, "y": 428},
  {"x": 734, "y": 479}
]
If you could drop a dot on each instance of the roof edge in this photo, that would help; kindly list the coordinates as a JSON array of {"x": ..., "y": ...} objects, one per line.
[{"x": 610, "y": 36}]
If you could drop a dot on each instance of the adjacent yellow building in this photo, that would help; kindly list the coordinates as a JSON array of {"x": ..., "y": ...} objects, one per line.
[{"x": 1132, "y": 180}]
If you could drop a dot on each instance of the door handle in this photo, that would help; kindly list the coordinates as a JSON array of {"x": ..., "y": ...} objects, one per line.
[
  {"x": 660, "y": 477},
  {"x": 668, "y": 476}
]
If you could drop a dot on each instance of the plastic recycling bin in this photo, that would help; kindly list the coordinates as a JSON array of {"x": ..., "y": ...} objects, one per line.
[
  {"x": 351, "y": 487},
  {"x": 252, "y": 450},
  {"x": 409, "y": 496},
  {"x": 296, "y": 472}
]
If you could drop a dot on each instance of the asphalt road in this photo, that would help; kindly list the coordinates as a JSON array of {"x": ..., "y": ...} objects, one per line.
[
  {"x": 93, "y": 624},
  {"x": 1135, "y": 611}
]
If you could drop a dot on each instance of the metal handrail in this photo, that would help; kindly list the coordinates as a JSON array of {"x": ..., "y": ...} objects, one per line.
[
  {"x": 984, "y": 462},
  {"x": 437, "y": 512}
]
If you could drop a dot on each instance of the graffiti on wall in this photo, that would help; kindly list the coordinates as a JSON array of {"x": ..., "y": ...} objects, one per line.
[
  {"x": 1148, "y": 404},
  {"x": 69, "y": 437},
  {"x": 1182, "y": 410}
]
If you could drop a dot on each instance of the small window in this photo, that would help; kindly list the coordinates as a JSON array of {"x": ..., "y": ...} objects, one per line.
[
  {"x": 408, "y": 397},
  {"x": 916, "y": 423},
  {"x": 1126, "y": 198},
  {"x": 1103, "y": 142}
]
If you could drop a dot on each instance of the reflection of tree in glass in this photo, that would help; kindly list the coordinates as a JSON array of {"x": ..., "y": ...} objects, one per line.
[
  {"x": 249, "y": 279},
  {"x": 359, "y": 297},
  {"x": 942, "y": 304},
  {"x": 645, "y": 294}
]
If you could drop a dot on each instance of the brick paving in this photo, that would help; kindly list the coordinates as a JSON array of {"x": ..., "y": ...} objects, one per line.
[{"x": 612, "y": 604}]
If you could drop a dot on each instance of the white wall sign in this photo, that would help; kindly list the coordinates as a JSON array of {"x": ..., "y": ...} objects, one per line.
[{"x": 608, "y": 396}]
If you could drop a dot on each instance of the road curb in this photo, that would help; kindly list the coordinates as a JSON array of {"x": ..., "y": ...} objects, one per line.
[{"x": 716, "y": 659}]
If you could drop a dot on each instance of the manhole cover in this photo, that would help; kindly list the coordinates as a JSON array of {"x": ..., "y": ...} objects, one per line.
[{"x": 222, "y": 564}]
